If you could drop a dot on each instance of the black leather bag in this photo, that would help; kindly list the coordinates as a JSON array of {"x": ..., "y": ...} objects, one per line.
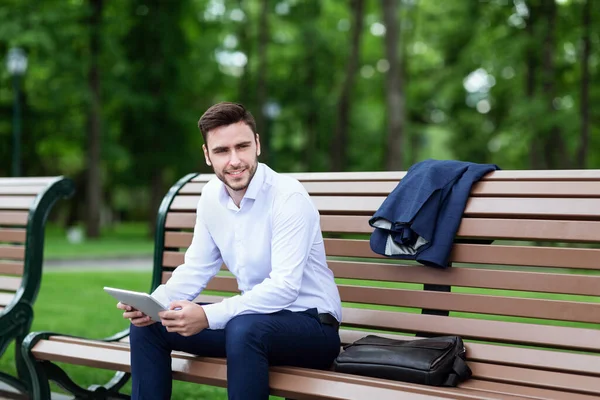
[{"x": 437, "y": 361}]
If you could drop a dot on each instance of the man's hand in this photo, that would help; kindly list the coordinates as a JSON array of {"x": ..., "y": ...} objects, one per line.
[
  {"x": 184, "y": 317},
  {"x": 136, "y": 317}
]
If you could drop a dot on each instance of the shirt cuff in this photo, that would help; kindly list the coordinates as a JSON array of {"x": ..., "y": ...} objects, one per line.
[
  {"x": 160, "y": 294},
  {"x": 217, "y": 315}
]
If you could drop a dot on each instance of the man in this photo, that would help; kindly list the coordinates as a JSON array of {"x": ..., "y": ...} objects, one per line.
[{"x": 265, "y": 228}]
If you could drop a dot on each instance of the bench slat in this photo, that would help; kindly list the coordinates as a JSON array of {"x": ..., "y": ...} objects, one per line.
[
  {"x": 486, "y": 254},
  {"x": 10, "y": 284},
  {"x": 16, "y": 202},
  {"x": 470, "y": 277},
  {"x": 473, "y": 303},
  {"x": 531, "y": 229},
  {"x": 11, "y": 268},
  {"x": 12, "y": 235},
  {"x": 284, "y": 381},
  {"x": 178, "y": 239},
  {"x": 500, "y": 390},
  {"x": 507, "y": 355},
  {"x": 21, "y": 189},
  {"x": 180, "y": 220},
  {"x": 500, "y": 331},
  {"x": 6, "y": 298},
  {"x": 13, "y": 218},
  {"x": 485, "y": 207},
  {"x": 485, "y": 188},
  {"x": 489, "y": 206},
  {"x": 525, "y": 391},
  {"x": 536, "y": 378},
  {"x": 522, "y": 175},
  {"x": 539, "y": 230},
  {"x": 27, "y": 181},
  {"x": 12, "y": 252}
]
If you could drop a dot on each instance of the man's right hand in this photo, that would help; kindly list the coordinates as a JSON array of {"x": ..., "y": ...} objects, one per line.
[{"x": 136, "y": 317}]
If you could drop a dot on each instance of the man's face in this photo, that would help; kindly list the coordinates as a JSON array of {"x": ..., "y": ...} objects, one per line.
[{"x": 233, "y": 152}]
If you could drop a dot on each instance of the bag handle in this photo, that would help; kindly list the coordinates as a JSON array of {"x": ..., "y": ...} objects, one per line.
[{"x": 461, "y": 373}]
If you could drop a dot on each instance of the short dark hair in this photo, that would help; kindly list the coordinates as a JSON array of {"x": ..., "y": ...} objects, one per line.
[{"x": 223, "y": 114}]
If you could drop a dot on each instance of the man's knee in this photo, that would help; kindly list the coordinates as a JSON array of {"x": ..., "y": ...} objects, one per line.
[
  {"x": 142, "y": 335},
  {"x": 245, "y": 331}
]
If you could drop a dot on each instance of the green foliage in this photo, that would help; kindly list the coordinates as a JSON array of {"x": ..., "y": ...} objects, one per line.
[{"x": 162, "y": 65}]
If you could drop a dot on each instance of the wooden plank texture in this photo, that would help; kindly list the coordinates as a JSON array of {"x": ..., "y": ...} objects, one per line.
[
  {"x": 11, "y": 267},
  {"x": 497, "y": 331},
  {"x": 470, "y": 277},
  {"x": 582, "y": 258},
  {"x": 12, "y": 235},
  {"x": 13, "y": 218},
  {"x": 16, "y": 202},
  {"x": 9, "y": 284},
  {"x": 12, "y": 252},
  {"x": 6, "y": 298}
]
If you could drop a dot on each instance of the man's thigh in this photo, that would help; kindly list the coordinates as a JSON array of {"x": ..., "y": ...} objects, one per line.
[
  {"x": 207, "y": 343},
  {"x": 289, "y": 338}
]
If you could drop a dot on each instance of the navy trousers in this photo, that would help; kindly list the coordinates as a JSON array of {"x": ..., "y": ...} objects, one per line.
[{"x": 250, "y": 342}]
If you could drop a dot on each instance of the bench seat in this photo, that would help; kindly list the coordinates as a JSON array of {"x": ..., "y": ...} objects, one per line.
[{"x": 523, "y": 290}]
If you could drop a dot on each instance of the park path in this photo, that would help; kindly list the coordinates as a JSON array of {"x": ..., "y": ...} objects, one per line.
[{"x": 141, "y": 263}]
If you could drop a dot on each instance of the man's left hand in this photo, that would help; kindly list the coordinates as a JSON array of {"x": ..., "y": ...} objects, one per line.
[{"x": 184, "y": 317}]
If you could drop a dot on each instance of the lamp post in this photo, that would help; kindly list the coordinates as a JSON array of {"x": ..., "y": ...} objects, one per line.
[{"x": 16, "y": 63}]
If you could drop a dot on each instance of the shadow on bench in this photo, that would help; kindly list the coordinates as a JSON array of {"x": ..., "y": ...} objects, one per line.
[{"x": 526, "y": 305}]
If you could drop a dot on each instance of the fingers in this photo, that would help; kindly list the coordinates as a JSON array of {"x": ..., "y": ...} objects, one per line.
[
  {"x": 142, "y": 321},
  {"x": 178, "y": 305},
  {"x": 125, "y": 307}
]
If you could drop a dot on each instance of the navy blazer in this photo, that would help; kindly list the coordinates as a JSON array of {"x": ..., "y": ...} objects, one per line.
[{"x": 419, "y": 219}]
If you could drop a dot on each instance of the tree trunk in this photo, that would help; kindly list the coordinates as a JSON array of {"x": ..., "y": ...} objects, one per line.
[
  {"x": 340, "y": 138},
  {"x": 554, "y": 147},
  {"x": 94, "y": 184},
  {"x": 262, "y": 88},
  {"x": 535, "y": 155},
  {"x": 394, "y": 93},
  {"x": 310, "y": 33},
  {"x": 245, "y": 88},
  {"x": 582, "y": 153}
]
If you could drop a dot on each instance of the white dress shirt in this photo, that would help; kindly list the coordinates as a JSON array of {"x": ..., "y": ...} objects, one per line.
[{"x": 272, "y": 244}]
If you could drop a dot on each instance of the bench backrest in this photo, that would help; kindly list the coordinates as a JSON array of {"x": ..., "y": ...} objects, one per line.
[
  {"x": 24, "y": 207},
  {"x": 537, "y": 284}
]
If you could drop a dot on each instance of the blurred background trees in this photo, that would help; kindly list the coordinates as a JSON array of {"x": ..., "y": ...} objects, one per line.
[{"x": 114, "y": 89}]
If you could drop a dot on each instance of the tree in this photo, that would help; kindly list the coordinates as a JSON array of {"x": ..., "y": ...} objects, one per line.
[
  {"x": 394, "y": 93},
  {"x": 262, "y": 90},
  {"x": 584, "y": 106},
  {"x": 94, "y": 178},
  {"x": 339, "y": 143}
]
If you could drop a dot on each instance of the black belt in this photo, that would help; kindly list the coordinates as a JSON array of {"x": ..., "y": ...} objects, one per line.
[{"x": 329, "y": 319}]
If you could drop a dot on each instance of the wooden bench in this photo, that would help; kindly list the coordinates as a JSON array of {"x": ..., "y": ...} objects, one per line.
[
  {"x": 24, "y": 206},
  {"x": 526, "y": 305}
]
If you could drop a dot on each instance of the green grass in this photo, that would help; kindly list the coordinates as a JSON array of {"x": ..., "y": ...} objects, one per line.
[
  {"x": 74, "y": 303},
  {"x": 122, "y": 240}
]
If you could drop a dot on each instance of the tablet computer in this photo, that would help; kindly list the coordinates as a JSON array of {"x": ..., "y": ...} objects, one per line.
[{"x": 138, "y": 300}]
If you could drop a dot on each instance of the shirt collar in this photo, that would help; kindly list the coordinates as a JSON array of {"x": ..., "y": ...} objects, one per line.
[
  {"x": 251, "y": 193},
  {"x": 256, "y": 183}
]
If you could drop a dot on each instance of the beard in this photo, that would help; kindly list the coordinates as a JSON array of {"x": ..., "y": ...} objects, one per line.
[{"x": 238, "y": 183}]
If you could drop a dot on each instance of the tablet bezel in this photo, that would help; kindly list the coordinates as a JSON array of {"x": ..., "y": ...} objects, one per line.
[{"x": 138, "y": 300}]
